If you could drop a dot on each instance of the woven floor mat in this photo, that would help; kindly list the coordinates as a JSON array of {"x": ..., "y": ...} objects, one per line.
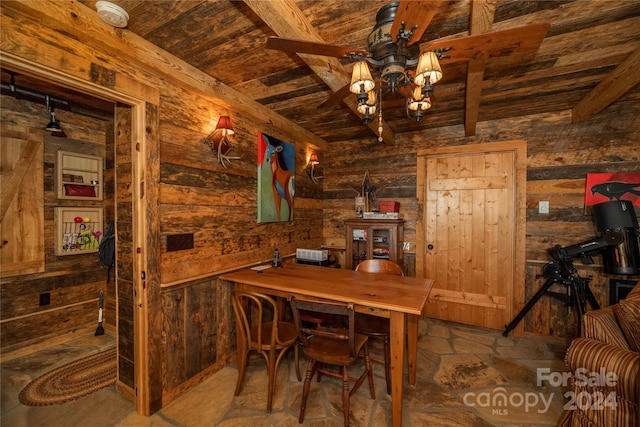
[{"x": 72, "y": 381}]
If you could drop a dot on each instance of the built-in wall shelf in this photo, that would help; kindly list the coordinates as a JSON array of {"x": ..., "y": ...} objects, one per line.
[
  {"x": 79, "y": 176},
  {"x": 78, "y": 230}
]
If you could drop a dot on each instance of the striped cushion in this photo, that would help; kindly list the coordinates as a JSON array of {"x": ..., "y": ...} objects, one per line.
[
  {"x": 602, "y": 325},
  {"x": 635, "y": 292},
  {"x": 628, "y": 314},
  {"x": 595, "y": 356}
]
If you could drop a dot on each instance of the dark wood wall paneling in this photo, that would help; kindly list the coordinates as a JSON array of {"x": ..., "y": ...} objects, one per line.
[
  {"x": 73, "y": 281},
  {"x": 219, "y": 206},
  {"x": 559, "y": 155},
  {"x": 124, "y": 252}
]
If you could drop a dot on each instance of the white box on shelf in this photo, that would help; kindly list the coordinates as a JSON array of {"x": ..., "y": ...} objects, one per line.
[{"x": 312, "y": 254}]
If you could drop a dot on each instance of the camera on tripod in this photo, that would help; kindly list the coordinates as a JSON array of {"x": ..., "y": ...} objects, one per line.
[{"x": 620, "y": 249}]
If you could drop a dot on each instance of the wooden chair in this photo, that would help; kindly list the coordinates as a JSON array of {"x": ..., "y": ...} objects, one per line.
[
  {"x": 378, "y": 327},
  {"x": 327, "y": 346},
  {"x": 266, "y": 334}
]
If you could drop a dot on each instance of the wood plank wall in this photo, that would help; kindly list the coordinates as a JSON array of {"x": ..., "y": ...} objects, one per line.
[
  {"x": 74, "y": 281},
  {"x": 218, "y": 205},
  {"x": 197, "y": 195},
  {"x": 559, "y": 156}
]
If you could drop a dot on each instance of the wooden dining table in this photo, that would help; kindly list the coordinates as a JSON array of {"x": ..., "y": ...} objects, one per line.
[{"x": 399, "y": 298}]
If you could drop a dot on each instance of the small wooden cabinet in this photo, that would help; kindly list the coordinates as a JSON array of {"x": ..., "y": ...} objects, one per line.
[
  {"x": 78, "y": 176},
  {"x": 373, "y": 238}
]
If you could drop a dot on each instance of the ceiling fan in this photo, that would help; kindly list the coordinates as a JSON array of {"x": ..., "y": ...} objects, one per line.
[{"x": 403, "y": 67}]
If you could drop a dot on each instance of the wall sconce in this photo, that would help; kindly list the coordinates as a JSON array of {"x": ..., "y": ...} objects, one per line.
[
  {"x": 54, "y": 124},
  {"x": 311, "y": 168},
  {"x": 219, "y": 142}
]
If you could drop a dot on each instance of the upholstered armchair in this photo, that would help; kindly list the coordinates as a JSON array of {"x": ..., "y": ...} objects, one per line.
[{"x": 609, "y": 345}]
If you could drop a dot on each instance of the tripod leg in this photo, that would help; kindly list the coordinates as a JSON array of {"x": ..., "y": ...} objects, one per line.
[
  {"x": 579, "y": 294},
  {"x": 583, "y": 294},
  {"x": 528, "y": 306},
  {"x": 590, "y": 297}
]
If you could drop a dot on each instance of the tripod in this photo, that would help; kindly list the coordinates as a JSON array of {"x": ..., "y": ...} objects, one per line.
[{"x": 578, "y": 291}]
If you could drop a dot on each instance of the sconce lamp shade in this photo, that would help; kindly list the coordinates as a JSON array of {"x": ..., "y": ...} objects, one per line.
[
  {"x": 311, "y": 168},
  {"x": 224, "y": 124},
  {"x": 429, "y": 70},
  {"x": 361, "y": 80}
]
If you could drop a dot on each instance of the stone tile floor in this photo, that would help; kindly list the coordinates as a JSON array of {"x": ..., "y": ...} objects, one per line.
[{"x": 467, "y": 376}]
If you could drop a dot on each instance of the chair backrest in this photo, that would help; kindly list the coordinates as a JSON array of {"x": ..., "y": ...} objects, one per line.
[
  {"x": 344, "y": 310},
  {"x": 380, "y": 266},
  {"x": 252, "y": 308}
]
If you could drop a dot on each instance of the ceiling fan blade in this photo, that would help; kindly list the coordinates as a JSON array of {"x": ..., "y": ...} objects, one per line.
[
  {"x": 301, "y": 46},
  {"x": 336, "y": 97},
  {"x": 490, "y": 45},
  {"x": 412, "y": 13}
]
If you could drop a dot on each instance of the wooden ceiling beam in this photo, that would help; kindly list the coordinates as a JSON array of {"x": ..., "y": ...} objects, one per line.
[
  {"x": 482, "y": 14},
  {"x": 287, "y": 21},
  {"x": 616, "y": 84},
  {"x": 74, "y": 18}
]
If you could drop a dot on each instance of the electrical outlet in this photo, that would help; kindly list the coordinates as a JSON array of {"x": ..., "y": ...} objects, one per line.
[
  {"x": 179, "y": 242},
  {"x": 543, "y": 207},
  {"x": 45, "y": 299}
]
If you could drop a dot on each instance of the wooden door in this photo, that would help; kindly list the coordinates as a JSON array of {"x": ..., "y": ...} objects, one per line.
[
  {"x": 472, "y": 202},
  {"x": 22, "y": 204}
]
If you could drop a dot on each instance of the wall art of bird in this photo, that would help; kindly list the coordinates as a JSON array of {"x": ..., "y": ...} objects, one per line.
[{"x": 615, "y": 190}]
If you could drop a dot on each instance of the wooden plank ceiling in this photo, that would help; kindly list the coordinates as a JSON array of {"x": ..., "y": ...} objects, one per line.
[{"x": 587, "y": 60}]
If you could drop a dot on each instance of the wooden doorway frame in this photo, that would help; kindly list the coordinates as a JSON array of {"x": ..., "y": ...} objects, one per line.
[
  {"x": 519, "y": 148},
  {"x": 145, "y": 239}
]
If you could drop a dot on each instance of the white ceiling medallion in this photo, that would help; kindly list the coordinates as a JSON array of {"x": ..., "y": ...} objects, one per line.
[{"x": 112, "y": 14}]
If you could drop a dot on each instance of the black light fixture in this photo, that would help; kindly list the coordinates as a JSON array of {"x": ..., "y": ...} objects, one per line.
[{"x": 54, "y": 124}]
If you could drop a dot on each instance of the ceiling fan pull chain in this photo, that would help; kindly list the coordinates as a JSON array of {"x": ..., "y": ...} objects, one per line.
[{"x": 380, "y": 128}]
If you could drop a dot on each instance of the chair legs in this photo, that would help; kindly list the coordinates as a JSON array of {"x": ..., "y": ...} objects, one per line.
[
  {"x": 242, "y": 367},
  {"x": 345, "y": 395},
  {"x": 273, "y": 363},
  {"x": 386, "y": 358},
  {"x": 314, "y": 366},
  {"x": 273, "y": 372},
  {"x": 387, "y": 363},
  {"x": 311, "y": 367}
]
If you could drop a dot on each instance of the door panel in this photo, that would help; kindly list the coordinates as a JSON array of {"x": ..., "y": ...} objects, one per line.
[
  {"x": 469, "y": 204},
  {"x": 22, "y": 205}
]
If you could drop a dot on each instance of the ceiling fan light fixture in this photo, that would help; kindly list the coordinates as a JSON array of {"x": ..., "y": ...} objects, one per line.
[
  {"x": 361, "y": 80},
  {"x": 429, "y": 70}
]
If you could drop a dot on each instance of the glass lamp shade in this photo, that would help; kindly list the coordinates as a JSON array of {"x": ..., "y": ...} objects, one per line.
[
  {"x": 224, "y": 124},
  {"x": 428, "y": 69},
  {"x": 361, "y": 79},
  {"x": 419, "y": 102},
  {"x": 370, "y": 105},
  {"x": 313, "y": 159}
]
